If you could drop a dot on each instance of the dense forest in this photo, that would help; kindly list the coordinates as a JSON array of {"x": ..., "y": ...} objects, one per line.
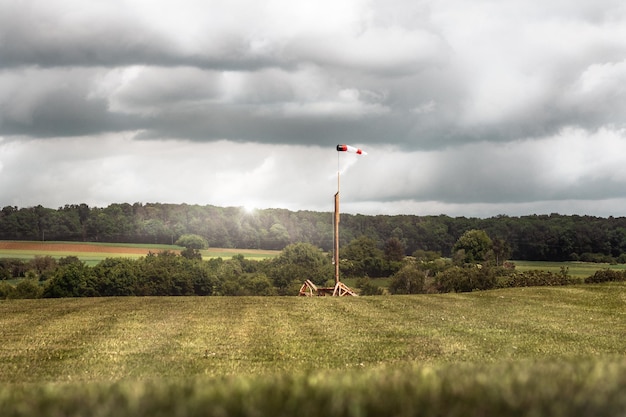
[{"x": 551, "y": 237}]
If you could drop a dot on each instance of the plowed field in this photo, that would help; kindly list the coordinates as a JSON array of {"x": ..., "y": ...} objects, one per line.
[
  {"x": 92, "y": 253},
  {"x": 72, "y": 247}
]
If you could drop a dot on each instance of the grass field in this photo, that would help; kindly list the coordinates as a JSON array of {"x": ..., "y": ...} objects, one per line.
[
  {"x": 530, "y": 351},
  {"x": 575, "y": 269}
]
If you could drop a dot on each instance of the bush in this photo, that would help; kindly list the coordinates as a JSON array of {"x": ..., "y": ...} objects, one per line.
[
  {"x": 44, "y": 266},
  {"x": 538, "y": 278},
  {"x": 606, "y": 275},
  {"x": 191, "y": 253},
  {"x": 116, "y": 277},
  {"x": 4, "y": 274},
  {"x": 408, "y": 280},
  {"x": 426, "y": 256},
  {"x": 12, "y": 268},
  {"x": 28, "y": 288},
  {"x": 297, "y": 263},
  {"x": 468, "y": 278},
  {"x": 257, "y": 284},
  {"x": 367, "y": 287},
  {"x": 74, "y": 279},
  {"x": 6, "y": 290},
  {"x": 192, "y": 242}
]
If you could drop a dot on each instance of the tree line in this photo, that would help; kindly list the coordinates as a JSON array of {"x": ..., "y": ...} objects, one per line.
[
  {"x": 474, "y": 266},
  {"x": 551, "y": 237}
]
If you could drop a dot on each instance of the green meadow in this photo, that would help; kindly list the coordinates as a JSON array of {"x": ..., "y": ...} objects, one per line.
[
  {"x": 575, "y": 269},
  {"x": 557, "y": 351}
]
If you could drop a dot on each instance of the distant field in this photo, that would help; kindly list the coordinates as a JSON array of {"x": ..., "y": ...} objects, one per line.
[
  {"x": 575, "y": 269},
  {"x": 556, "y": 351},
  {"x": 247, "y": 253},
  {"x": 92, "y": 253}
]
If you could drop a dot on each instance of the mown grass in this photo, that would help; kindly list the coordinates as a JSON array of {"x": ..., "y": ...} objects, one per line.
[
  {"x": 528, "y": 351},
  {"x": 536, "y": 388}
]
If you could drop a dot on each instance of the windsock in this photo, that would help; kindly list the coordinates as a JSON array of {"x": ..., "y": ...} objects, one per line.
[{"x": 348, "y": 148}]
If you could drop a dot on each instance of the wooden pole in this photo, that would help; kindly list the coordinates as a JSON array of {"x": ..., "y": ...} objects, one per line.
[
  {"x": 340, "y": 289},
  {"x": 336, "y": 224},
  {"x": 336, "y": 227}
]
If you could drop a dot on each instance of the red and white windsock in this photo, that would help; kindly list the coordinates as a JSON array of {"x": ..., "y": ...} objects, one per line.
[{"x": 348, "y": 148}]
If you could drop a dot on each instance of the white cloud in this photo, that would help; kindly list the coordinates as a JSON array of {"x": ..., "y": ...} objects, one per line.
[{"x": 483, "y": 107}]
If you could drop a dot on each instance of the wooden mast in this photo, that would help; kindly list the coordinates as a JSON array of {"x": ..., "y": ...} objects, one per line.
[
  {"x": 336, "y": 250},
  {"x": 340, "y": 289}
]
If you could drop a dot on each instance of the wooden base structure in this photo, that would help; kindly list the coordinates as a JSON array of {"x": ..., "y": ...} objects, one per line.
[{"x": 340, "y": 289}]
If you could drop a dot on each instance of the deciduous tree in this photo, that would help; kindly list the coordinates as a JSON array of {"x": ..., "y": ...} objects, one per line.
[
  {"x": 476, "y": 244},
  {"x": 191, "y": 241}
]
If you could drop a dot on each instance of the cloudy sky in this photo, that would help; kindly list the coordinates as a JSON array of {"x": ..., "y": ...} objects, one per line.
[{"x": 466, "y": 108}]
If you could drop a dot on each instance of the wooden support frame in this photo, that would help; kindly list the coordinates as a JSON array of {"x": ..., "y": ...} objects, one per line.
[
  {"x": 309, "y": 289},
  {"x": 342, "y": 290}
]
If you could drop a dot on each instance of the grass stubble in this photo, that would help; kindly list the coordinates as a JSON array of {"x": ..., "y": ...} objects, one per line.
[{"x": 530, "y": 351}]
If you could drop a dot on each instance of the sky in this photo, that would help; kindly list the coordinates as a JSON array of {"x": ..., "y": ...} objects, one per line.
[{"x": 465, "y": 108}]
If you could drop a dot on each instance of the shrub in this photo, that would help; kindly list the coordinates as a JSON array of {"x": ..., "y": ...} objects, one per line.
[
  {"x": 191, "y": 253},
  {"x": 367, "y": 287},
  {"x": 426, "y": 256},
  {"x": 116, "y": 277},
  {"x": 408, "y": 280},
  {"x": 192, "y": 242},
  {"x": 6, "y": 290},
  {"x": 606, "y": 275},
  {"x": 466, "y": 279},
  {"x": 70, "y": 280},
  {"x": 536, "y": 278},
  {"x": 297, "y": 263},
  {"x": 28, "y": 288},
  {"x": 12, "y": 268},
  {"x": 257, "y": 284},
  {"x": 44, "y": 266}
]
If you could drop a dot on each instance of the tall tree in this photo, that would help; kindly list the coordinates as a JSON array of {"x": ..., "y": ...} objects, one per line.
[
  {"x": 297, "y": 263},
  {"x": 394, "y": 249},
  {"x": 476, "y": 245},
  {"x": 501, "y": 250}
]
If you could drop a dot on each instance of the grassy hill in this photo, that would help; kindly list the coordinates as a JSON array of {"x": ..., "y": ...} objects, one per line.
[{"x": 530, "y": 351}]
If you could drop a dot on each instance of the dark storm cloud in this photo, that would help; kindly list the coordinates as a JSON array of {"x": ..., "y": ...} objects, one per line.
[
  {"x": 465, "y": 106},
  {"x": 56, "y": 103},
  {"x": 192, "y": 99},
  {"x": 106, "y": 35}
]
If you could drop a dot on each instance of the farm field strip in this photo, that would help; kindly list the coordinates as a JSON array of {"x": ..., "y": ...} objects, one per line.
[
  {"x": 94, "y": 252},
  {"x": 82, "y": 247}
]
